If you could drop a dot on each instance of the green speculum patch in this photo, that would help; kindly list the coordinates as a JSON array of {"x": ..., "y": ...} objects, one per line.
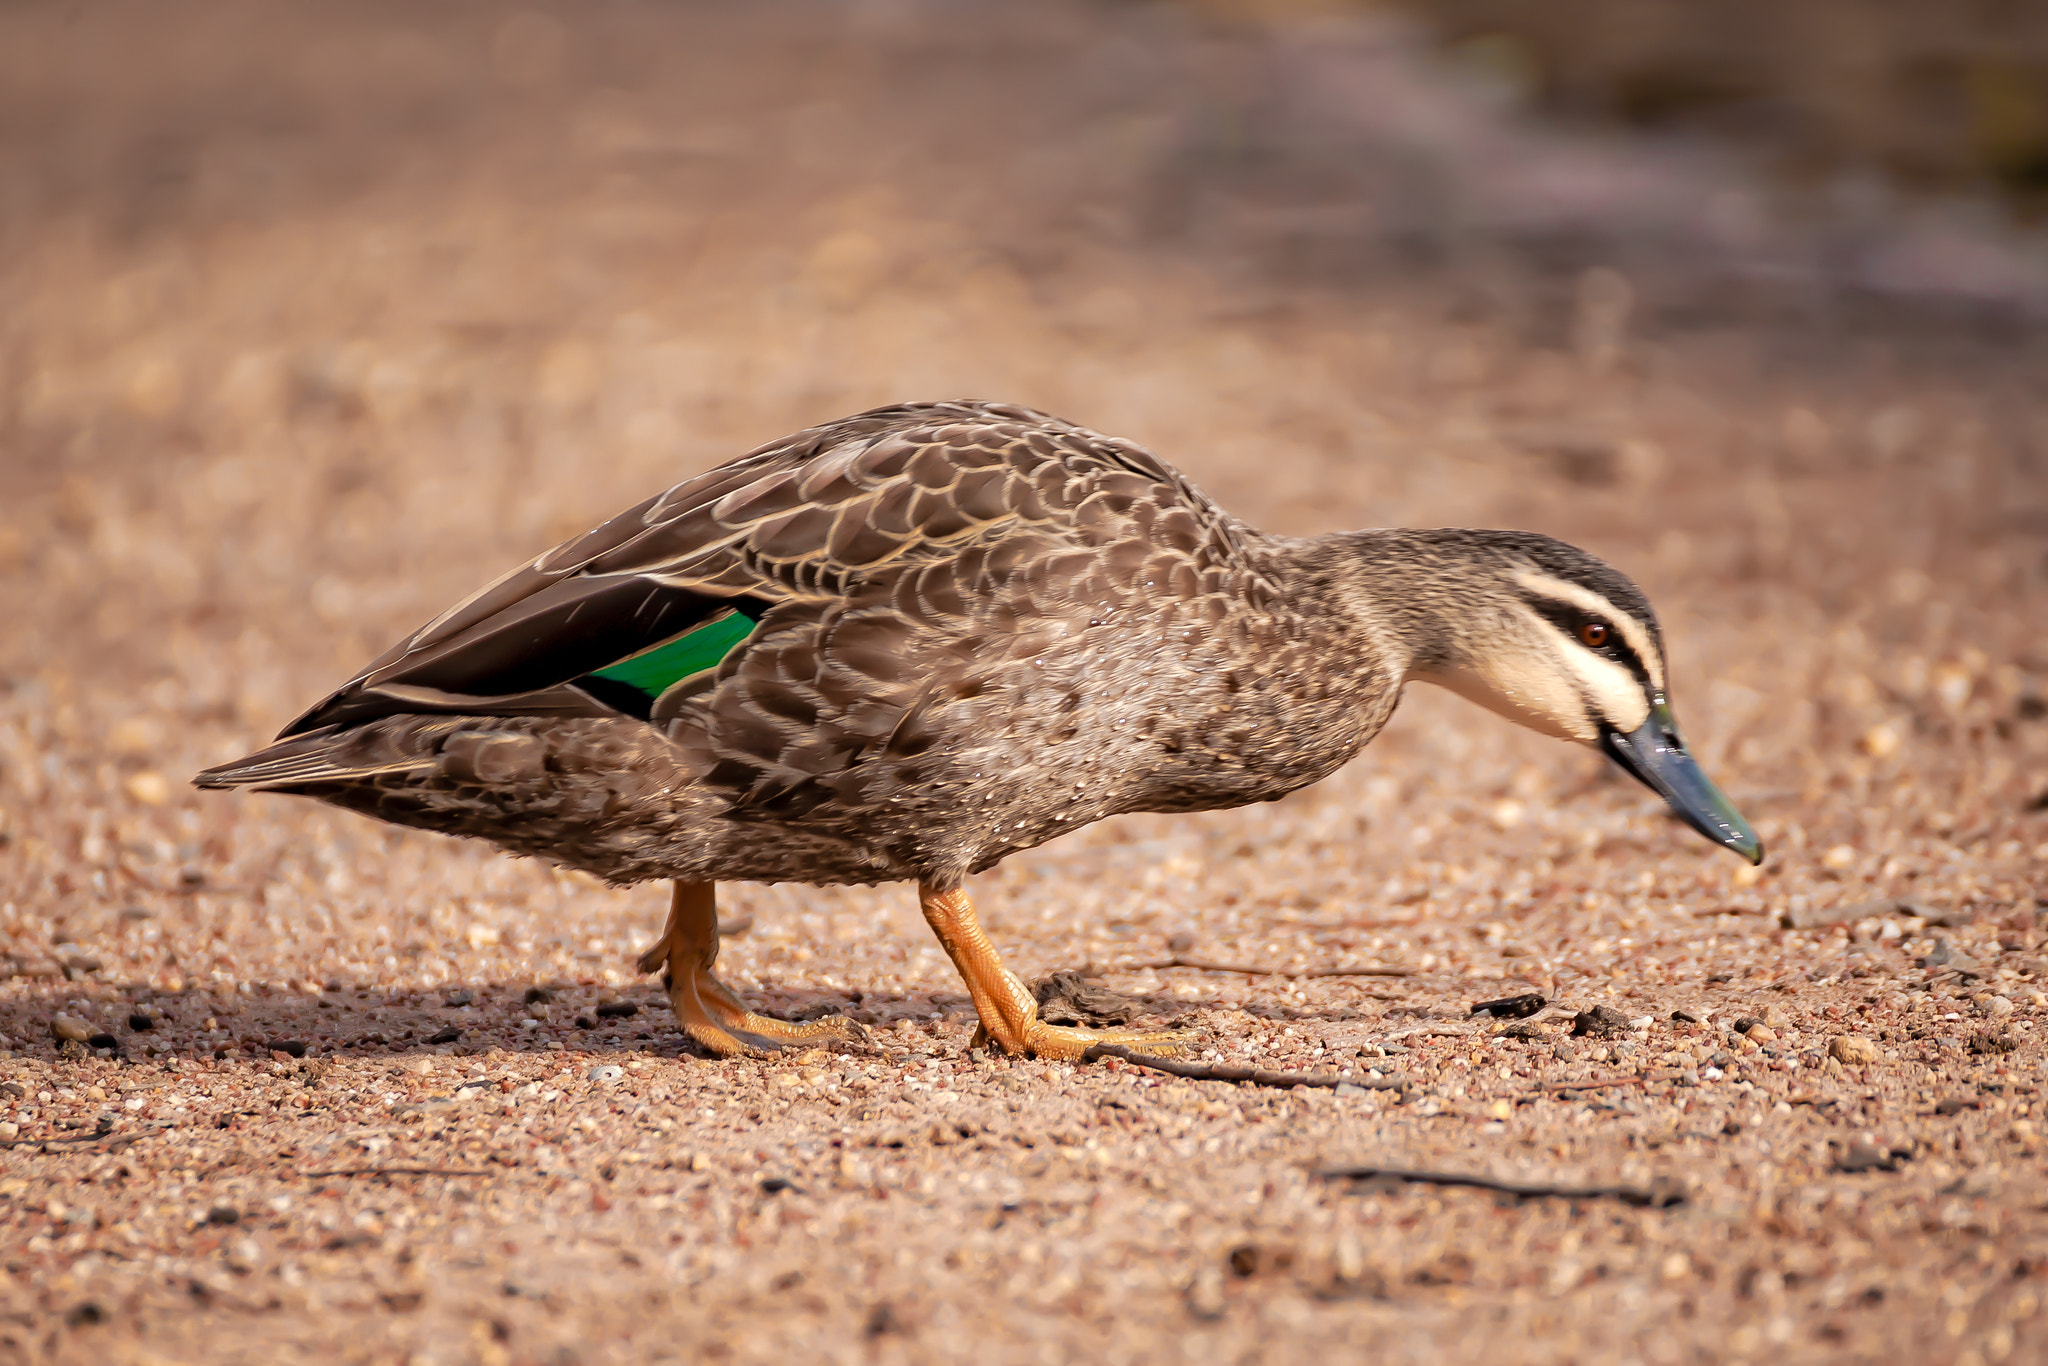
[{"x": 659, "y": 667}]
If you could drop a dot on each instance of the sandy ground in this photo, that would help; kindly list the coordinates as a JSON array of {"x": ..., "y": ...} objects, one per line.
[{"x": 308, "y": 331}]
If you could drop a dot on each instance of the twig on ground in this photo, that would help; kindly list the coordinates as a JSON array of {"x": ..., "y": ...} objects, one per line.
[
  {"x": 1258, "y": 1076},
  {"x": 1204, "y": 965},
  {"x": 393, "y": 1171},
  {"x": 113, "y": 1141},
  {"x": 1628, "y": 1195}
]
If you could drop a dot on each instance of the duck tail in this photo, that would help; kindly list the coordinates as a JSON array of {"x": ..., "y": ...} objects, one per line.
[{"x": 330, "y": 754}]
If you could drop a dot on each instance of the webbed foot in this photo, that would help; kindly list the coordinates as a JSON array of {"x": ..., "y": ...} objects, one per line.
[
  {"x": 1008, "y": 1011},
  {"x": 705, "y": 1007}
]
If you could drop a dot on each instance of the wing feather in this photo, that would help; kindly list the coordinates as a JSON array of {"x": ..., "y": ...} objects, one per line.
[{"x": 805, "y": 519}]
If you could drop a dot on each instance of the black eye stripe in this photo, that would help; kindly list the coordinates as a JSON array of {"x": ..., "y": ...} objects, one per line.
[{"x": 1571, "y": 620}]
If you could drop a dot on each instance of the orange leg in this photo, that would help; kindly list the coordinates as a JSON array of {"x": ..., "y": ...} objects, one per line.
[
  {"x": 708, "y": 1010},
  {"x": 1009, "y": 1013}
]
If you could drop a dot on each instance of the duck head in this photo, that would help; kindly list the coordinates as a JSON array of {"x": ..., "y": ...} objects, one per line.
[{"x": 1555, "y": 640}]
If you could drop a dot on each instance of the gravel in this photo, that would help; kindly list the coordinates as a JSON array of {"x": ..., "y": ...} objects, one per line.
[{"x": 270, "y": 415}]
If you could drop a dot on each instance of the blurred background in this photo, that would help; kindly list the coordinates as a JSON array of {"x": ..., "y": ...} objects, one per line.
[{"x": 314, "y": 318}]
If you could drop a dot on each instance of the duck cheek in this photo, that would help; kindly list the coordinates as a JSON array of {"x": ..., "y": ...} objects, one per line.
[
  {"x": 1614, "y": 695},
  {"x": 1545, "y": 705}
]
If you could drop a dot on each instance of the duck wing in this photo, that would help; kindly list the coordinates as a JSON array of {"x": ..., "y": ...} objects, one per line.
[{"x": 645, "y": 610}]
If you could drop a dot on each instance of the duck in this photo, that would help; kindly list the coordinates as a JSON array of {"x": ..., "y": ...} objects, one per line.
[{"x": 908, "y": 644}]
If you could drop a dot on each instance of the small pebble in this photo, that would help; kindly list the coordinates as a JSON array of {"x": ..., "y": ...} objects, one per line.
[
  {"x": 1600, "y": 1022},
  {"x": 141, "y": 1022},
  {"x": 1865, "y": 1157},
  {"x": 606, "y": 1073},
  {"x": 70, "y": 1027},
  {"x": 538, "y": 996},
  {"x": 103, "y": 1040},
  {"x": 461, "y": 997},
  {"x": 295, "y": 1047},
  {"x": 223, "y": 1214},
  {"x": 244, "y": 1255},
  {"x": 1996, "y": 1006},
  {"x": 77, "y": 963},
  {"x": 448, "y": 1035},
  {"x": 1852, "y": 1049},
  {"x": 1761, "y": 1033},
  {"x": 617, "y": 1010}
]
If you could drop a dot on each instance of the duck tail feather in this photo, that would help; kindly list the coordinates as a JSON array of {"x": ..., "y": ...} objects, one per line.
[{"x": 327, "y": 755}]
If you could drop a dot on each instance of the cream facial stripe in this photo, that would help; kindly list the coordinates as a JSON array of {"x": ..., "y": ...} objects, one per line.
[
  {"x": 1607, "y": 686},
  {"x": 1633, "y": 633}
]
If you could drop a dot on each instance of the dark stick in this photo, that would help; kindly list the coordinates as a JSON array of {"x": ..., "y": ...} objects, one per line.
[
  {"x": 1628, "y": 1195},
  {"x": 1223, "y": 1071},
  {"x": 391, "y": 1171},
  {"x": 114, "y": 1141},
  {"x": 1204, "y": 965}
]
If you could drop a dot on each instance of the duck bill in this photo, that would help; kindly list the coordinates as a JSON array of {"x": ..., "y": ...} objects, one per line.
[{"x": 1656, "y": 755}]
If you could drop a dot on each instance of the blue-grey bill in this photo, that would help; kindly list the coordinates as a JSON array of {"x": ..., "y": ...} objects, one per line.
[{"x": 1655, "y": 754}]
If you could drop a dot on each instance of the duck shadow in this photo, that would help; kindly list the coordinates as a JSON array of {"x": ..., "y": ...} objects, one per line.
[{"x": 135, "y": 1023}]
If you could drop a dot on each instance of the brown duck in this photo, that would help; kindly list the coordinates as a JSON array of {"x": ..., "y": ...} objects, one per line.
[{"x": 907, "y": 644}]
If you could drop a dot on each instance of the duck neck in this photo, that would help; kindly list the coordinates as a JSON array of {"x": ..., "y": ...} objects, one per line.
[{"x": 1402, "y": 595}]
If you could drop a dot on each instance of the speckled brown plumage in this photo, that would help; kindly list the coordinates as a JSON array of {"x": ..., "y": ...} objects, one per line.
[{"x": 982, "y": 627}]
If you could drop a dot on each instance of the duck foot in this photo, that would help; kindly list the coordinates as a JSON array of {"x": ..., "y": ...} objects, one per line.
[
  {"x": 1008, "y": 1011},
  {"x": 705, "y": 1006}
]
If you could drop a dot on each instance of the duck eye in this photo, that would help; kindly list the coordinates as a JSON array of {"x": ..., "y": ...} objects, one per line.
[{"x": 1593, "y": 634}]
